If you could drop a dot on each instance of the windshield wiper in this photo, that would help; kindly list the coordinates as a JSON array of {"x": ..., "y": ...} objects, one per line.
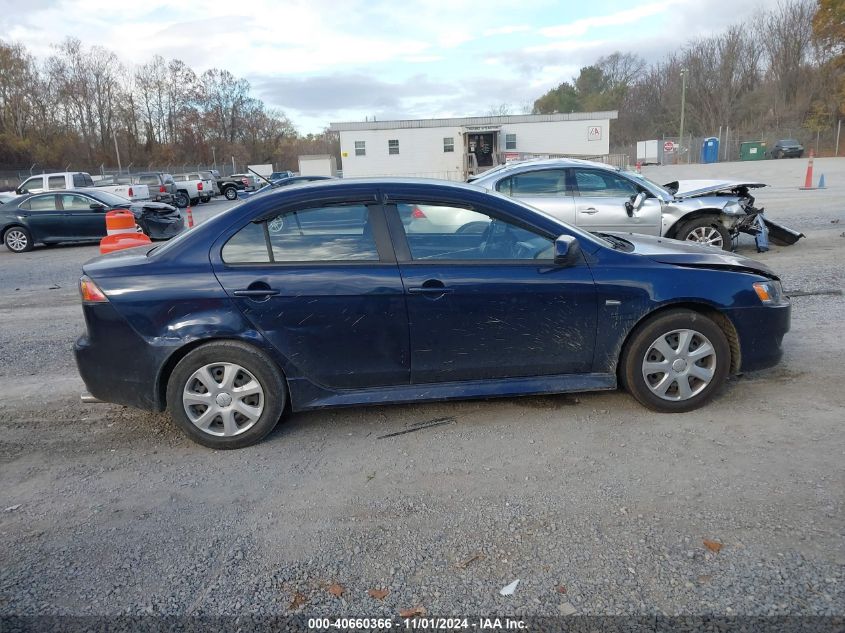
[{"x": 617, "y": 242}]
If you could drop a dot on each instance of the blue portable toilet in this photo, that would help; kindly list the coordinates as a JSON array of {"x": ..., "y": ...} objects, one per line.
[{"x": 710, "y": 150}]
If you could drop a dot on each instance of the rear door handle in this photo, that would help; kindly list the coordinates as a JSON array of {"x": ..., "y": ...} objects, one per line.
[
  {"x": 590, "y": 210},
  {"x": 257, "y": 292}
]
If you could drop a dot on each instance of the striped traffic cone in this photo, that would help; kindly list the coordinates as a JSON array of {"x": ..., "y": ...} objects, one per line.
[{"x": 190, "y": 217}]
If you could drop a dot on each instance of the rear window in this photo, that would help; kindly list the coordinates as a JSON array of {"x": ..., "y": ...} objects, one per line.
[{"x": 148, "y": 180}]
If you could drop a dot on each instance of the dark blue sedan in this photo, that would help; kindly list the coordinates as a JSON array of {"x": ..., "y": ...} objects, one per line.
[{"x": 324, "y": 295}]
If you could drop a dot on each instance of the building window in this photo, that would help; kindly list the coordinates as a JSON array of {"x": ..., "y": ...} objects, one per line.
[
  {"x": 510, "y": 141},
  {"x": 393, "y": 146},
  {"x": 360, "y": 148},
  {"x": 448, "y": 144}
]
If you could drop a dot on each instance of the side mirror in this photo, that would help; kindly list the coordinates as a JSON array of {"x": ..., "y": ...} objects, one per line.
[
  {"x": 567, "y": 251},
  {"x": 636, "y": 203},
  {"x": 20, "y": 191}
]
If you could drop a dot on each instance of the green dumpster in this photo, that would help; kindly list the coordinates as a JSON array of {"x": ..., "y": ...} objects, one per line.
[{"x": 752, "y": 150}]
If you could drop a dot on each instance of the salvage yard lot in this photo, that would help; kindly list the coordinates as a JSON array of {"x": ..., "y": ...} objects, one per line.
[{"x": 595, "y": 504}]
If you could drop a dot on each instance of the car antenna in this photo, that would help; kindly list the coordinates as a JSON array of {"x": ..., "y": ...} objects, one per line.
[{"x": 260, "y": 176}]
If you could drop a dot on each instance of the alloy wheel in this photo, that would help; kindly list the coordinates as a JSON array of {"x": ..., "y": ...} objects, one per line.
[
  {"x": 16, "y": 240},
  {"x": 707, "y": 235}
]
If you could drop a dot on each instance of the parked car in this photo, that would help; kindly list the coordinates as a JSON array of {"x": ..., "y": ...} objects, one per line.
[
  {"x": 162, "y": 187},
  {"x": 229, "y": 187},
  {"x": 787, "y": 148},
  {"x": 281, "y": 182},
  {"x": 123, "y": 186},
  {"x": 343, "y": 306},
  {"x": 78, "y": 215},
  {"x": 597, "y": 197},
  {"x": 250, "y": 181},
  {"x": 192, "y": 189},
  {"x": 55, "y": 182},
  {"x": 5, "y": 196}
]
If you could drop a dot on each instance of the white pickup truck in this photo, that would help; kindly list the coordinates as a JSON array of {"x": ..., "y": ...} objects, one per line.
[
  {"x": 55, "y": 182},
  {"x": 123, "y": 187},
  {"x": 192, "y": 188}
]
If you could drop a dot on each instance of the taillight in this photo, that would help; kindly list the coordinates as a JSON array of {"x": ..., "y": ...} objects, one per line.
[
  {"x": 162, "y": 189},
  {"x": 131, "y": 193},
  {"x": 90, "y": 292},
  {"x": 245, "y": 181},
  {"x": 199, "y": 186},
  {"x": 417, "y": 214}
]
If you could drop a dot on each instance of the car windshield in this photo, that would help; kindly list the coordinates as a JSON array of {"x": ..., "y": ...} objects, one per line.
[{"x": 789, "y": 141}]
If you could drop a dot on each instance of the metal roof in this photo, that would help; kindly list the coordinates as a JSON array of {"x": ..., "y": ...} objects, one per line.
[{"x": 476, "y": 120}]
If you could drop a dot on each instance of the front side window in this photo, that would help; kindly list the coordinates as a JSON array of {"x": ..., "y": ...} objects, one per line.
[
  {"x": 600, "y": 184},
  {"x": 72, "y": 202},
  {"x": 510, "y": 141},
  {"x": 436, "y": 232},
  {"x": 322, "y": 234},
  {"x": 55, "y": 182},
  {"x": 449, "y": 144},
  {"x": 360, "y": 148},
  {"x": 546, "y": 182},
  {"x": 33, "y": 183},
  {"x": 393, "y": 146}
]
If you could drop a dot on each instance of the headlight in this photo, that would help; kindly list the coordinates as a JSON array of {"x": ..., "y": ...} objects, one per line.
[
  {"x": 769, "y": 292},
  {"x": 733, "y": 208}
]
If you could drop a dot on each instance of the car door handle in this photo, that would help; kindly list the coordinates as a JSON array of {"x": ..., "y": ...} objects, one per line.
[
  {"x": 430, "y": 287},
  {"x": 256, "y": 292},
  {"x": 429, "y": 290},
  {"x": 590, "y": 210}
]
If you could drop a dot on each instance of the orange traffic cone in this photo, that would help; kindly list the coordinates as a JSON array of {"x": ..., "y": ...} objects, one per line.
[
  {"x": 808, "y": 179},
  {"x": 190, "y": 218},
  {"x": 121, "y": 232}
]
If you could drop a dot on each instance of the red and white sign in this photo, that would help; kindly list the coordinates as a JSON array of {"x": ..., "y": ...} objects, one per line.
[
  {"x": 668, "y": 146},
  {"x": 594, "y": 133}
]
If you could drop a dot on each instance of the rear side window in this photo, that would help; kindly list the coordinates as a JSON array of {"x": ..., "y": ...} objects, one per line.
[
  {"x": 55, "y": 182},
  {"x": 335, "y": 233},
  {"x": 43, "y": 203}
]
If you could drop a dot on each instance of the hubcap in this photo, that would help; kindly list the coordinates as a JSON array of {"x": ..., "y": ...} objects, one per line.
[
  {"x": 706, "y": 235},
  {"x": 223, "y": 399},
  {"x": 16, "y": 240},
  {"x": 679, "y": 365}
]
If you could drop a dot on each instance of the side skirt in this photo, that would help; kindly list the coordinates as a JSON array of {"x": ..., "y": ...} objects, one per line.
[{"x": 306, "y": 395}]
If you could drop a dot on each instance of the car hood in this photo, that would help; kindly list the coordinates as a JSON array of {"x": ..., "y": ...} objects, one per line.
[
  {"x": 695, "y": 188},
  {"x": 152, "y": 207},
  {"x": 690, "y": 255}
]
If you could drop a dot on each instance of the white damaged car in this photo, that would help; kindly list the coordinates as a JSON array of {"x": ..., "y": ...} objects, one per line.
[{"x": 599, "y": 198}]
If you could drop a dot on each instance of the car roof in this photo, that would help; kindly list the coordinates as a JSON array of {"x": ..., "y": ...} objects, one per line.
[{"x": 543, "y": 162}]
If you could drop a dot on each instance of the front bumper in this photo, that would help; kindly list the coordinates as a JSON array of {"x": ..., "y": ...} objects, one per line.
[{"x": 761, "y": 330}]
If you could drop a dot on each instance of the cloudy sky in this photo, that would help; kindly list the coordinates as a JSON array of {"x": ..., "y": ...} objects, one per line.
[{"x": 338, "y": 60}]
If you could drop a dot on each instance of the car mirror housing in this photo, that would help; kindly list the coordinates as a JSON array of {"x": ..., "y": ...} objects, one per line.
[
  {"x": 567, "y": 251},
  {"x": 636, "y": 203}
]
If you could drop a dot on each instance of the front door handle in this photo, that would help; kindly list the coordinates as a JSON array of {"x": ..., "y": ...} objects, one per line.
[
  {"x": 430, "y": 287},
  {"x": 256, "y": 292},
  {"x": 590, "y": 210}
]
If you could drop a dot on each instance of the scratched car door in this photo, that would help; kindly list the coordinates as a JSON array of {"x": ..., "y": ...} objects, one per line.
[{"x": 601, "y": 199}]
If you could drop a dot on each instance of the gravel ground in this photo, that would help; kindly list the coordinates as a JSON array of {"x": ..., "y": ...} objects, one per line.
[{"x": 596, "y": 505}]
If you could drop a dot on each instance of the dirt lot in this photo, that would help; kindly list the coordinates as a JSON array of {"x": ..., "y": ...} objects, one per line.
[{"x": 596, "y": 505}]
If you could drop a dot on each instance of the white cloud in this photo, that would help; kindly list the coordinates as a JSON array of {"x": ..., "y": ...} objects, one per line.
[{"x": 582, "y": 26}]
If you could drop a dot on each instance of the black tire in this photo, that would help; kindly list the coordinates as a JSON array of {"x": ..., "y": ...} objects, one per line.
[
  {"x": 800, "y": 154},
  {"x": 206, "y": 199},
  {"x": 257, "y": 366},
  {"x": 639, "y": 345},
  {"x": 231, "y": 193},
  {"x": 195, "y": 201},
  {"x": 18, "y": 239},
  {"x": 700, "y": 227},
  {"x": 182, "y": 199}
]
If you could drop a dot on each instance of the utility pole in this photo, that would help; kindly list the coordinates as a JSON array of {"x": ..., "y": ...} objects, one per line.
[
  {"x": 214, "y": 155},
  {"x": 838, "y": 130},
  {"x": 116, "y": 151},
  {"x": 683, "y": 103}
]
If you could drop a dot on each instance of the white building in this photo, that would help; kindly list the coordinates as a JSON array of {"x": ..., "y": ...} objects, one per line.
[{"x": 454, "y": 148}]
